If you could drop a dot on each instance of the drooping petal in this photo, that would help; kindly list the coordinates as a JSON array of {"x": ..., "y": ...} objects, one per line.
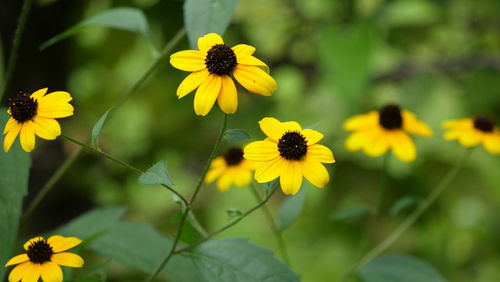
[
  {"x": 362, "y": 122},
  {"x": 54, "y": 109},
  {"x": 17, "y": 272},
  {"x": 243, "y": 178},
  {"x": 243, "y": 50},
  {"x": 225, "y": 181},
  {"x": 39, "y": 93},
  {"x": 378, "y": 144},
  {"x": 413, "y": 125},
  {"x": 191, "y": 82},
  {"x": 208, "y": 41},
  {"x": 217, "y": 167},
  {"x": 254, "y": 79},
  {"x": 315, "y": 172},
  {"x": 291, "y": 177},
  {"x": 228, "y": 96},
  {"x": 32, "y": 272},
  {"x": 51, "y": 272},
  {"x": 60, "y": 243},
  {"x": 18, "y": 259},
  {"x": 206, "y": 95},
  {"x": 67, "y": 259},
  {"x": 188, "y": 60},
  {"x": 458, "y": 124},
  {"x": 358, "y": 140},
  {"x": 30, "y": 241},
  {"x": 403, "y": 147},
  {"x": 46, "y": 128},
  {"x": 270, "y": 170},
  {"x": 27, "y": 136},
  {"x": 12, "y": 128},
  {"x": 492, "y": 143},
  {"x": 320, "y": 153},
  {"x": 470, "y": 138},
  {"x": 261, "y": 151},
  {"x": 312, "y": 136}
]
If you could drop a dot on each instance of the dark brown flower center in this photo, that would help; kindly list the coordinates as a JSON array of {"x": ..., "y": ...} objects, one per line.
[
  {"x": 40, "y": 251},
  {"x": 233, "y": 156},
  {"x": 23, "y": 107},
  {"x": 483, "y": 124},
  {"x": 292, "y": 145},
  {"x": 220, "y": 59},
  {"x": 390, "y": 117}
]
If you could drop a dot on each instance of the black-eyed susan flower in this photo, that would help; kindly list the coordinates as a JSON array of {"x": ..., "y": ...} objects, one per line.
[
  {"x": 211, "y": 68},
  {"x": 43, "y": 259},
  {"x": 230, "y": 169},
  {"x": 36, "y": 114},
  {"x": 471, "y": 132},
  {"x": 290, "y": 153},
  {"x": 379, "y": 131}
]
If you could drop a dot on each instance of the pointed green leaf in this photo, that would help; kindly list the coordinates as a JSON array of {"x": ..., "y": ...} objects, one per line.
[
  {"x": 291, "y": 209},
  {"x": 233, "y": 213},
  {"x": 96, "y": 130},
  {"x": 350, "y": 213},
  {"x": 206, "y": 16},
  {"x": 235, "y": 135},
  {"x": 156, "y": 175},
  {"x": 405, "y": 203}
]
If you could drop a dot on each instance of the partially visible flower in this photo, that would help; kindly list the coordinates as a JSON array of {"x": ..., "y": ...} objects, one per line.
[
  {"x": 35, "y": 114},
  {"x": 474, "y": 131},
  {"x": 211, "y": 68},
  {"x": 42, "y": 259},
  {"x": 290, "y": 153},
  {"x": 230, "y": 168},
  {"x": 379, "y": 131}
]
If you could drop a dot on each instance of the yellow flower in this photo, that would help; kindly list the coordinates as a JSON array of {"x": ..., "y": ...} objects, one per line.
[
  {"x": 231, "y": 168},
  {"x": 35, "y": 114},
  {"x": 378, "y": 131},
  {"x": 42, "y": 259},
  {"x": 211, "y": 68},
  {"x": 290, "y": 153},
  {"x": 474, "y": 131}
]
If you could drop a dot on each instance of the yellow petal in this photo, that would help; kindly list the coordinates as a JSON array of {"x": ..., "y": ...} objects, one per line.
[
  {"x": 362, "y": 122},
  {"x": 413, "y": 125},
  {"x": 60, "y": 243},
  {"x": 39, "y": 93},
  {"x": 225, "y": 181},
  {"x": 243, "y": 178},
  {"x": 315, "y": 172},
  {"x": 32, "y": 240},
  {"x": 243, "y": 50},
  {"x": 206, "y": 95},
  {"x": 378, "y": 144},
  {"x": 32, "y": 272},
  {"x": 51, "y": 272},
  {"x": 403, "y": 147},
  {"x": 18, "y": 272},
  {"x": 55, "y": 97},
  {"x": 228, "y": 96},
  {"x": 18, "y": 259},
  {"x": 12, "y": 128},
  {"x": 275, "y": 129},
  {"x": 53, "y": 108},
  {"x": 67, "y": 259},
  {"x": 492, "y": 143},
  {"x": 270, "y": 170},
  {"x": 320, "y": 153},
  {"x": 470, "y": 138},
  {"x": 459, "y": 124},
  {"x": 261, "y": 151},
  {"x": 46, "y": 128},
  {"x": 291, "y": 177},
  {"x": 312, "y": 136},
  {"x": 188, "y": 60},
  {"x": 208, "y": 41},
  {"x": 27, "y": 136},
  {"x": 217, "y": 167},
  {"x": 358, "y": 140},
  {"x": 191, "y": 82},
  {"x": 255, "y": 80},
  {"x": 250, "y": 60}
]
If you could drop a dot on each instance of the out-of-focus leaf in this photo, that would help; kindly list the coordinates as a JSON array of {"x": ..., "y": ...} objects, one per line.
[
  {"x": 350, "y": 213},
  {"x": 206, "y": 16},
  {"x": 14, "y": 172},
  {"x": 233, "y": 213},
  {"x": 124, "y": 18},
  {"x": 399, "y": 268},
  {"x": 235, "y": 135},
  {"x": 96, "y": 130},
  {"x": 410, "y": 13},
  {"x": 404, "y": 203},
  {"x": 268, "y": 186},
  {"x": 156, "y": 175},
  {"x": 291, "y": 209},
  {"x": 190, "y": 233},
  {"x": 238, "y": 260}
]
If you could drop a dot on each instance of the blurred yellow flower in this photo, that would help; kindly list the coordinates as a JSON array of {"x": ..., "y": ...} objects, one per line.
[
  {"x": 42, "y": 259},
  {"x": 290, "y": 153},
  {"x": 229, "y": 169},
  {"x": 474, "y": 131},
  {"x": 211, "y": 67},
  {"x": 35, "y": 114},
  {"x": 378, "y": 131}
]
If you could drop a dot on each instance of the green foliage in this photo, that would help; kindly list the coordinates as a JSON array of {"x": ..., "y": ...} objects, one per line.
[
  {"x": 156, "y": 175},
  {"x": 350, "y": 213},
  {"x": 206, "y": 16},
  {"x": 14, "y": 168},
  {"x": 96, "y": 130},
  {"x": 235, "y": 135},
  {"x": 410, "y": 13},
  {"x": 233, "y": 213},
  {"x": 291, "y": 209},
  {"x": 404, "y": 203},
  {"x": 399, "y": 268}
]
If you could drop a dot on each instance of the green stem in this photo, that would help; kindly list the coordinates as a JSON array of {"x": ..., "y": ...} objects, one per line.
[
  {"x": 184, "y": 218},
  {"x": 423, "y": 206},
  {"x": 15, "y": 46},
  {"x": 274, "y": 227}
]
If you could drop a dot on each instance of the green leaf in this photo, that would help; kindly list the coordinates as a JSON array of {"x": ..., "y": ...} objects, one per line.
[
  {"x": 206, "y": 16},
  {"x": 404, "y": 203},
  {"x": 235, "y": 135},
  {"x": 238, "y": 260},
  {"x": 410, "y": 13},
  {"x": 233, "y": 213},
  {"x": 350, "y": 213},
  {"x": 399, "y": 268},
  {"x": 96, "y": 130},
  {"x": 14, "y": 168},
  {"x": 291, "y": 209},
  {"x": 123, "y": 18},
  {"x": 156, "y": 175}
]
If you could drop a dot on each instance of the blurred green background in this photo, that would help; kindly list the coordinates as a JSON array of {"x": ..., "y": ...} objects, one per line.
[{"x": 332, "y": 59}]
